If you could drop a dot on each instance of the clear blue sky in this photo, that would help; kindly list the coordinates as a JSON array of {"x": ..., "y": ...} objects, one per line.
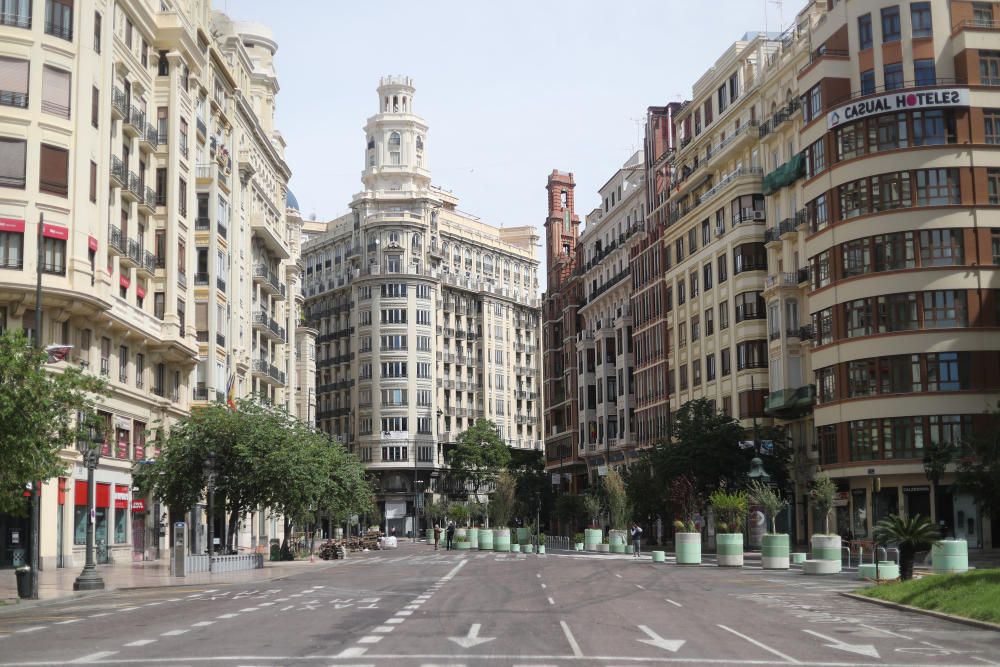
[{"x": 511, "y": 89}]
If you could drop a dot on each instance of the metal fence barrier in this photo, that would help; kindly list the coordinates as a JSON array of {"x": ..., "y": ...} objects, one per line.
[
  {"x": 558, "y": 542},
  {"x": 196, "y": 563}
]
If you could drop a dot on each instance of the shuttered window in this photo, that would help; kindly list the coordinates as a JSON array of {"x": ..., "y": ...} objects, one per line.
[
  {"x": 93, "y": 181},
  {"x": 12, "y": 156},
  {"x": 55, "y": 91},
  {"x": 14, "y": 82},
  {"x": 95, "y": 107},
  {"x": 54, "y": 170}
]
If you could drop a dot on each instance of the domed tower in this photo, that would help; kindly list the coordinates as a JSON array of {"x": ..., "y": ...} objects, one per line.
[{"x": 396, "y": 148}]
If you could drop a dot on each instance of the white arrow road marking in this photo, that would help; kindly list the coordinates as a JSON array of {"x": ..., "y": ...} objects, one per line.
[
  {"x": 473, "y": 638},
  {"x": 860, "y": 649},
  {"x": 672, "y": 645},
  {"x": 763, "y": 646}
]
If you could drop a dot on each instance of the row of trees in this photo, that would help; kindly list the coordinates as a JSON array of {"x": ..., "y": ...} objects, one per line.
[{"x": 261, "y": 458}]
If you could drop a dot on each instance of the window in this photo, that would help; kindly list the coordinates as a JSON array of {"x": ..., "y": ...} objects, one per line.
[
  {"x": 856, "y": 258},
  {"x": 692, "y": 240},
  {"x": 937, "y": 187},
  {"x": 710, "y": 368},
  {"x": 751, "y": 354},
  {"x": 853, "y": 199},
  {"x": 991, "y": 123},
  {"x": 423, "y": 370},
  {"x": 993, "y": 185},
  {"x": 365, "y": 318},
  {"x": 682, "y": 374},
  {"x": 706, "y": 274},
  {"x": 695, "y": 372},
  {"x": 995, "y": 244},
  {"x": 826, "y": 384},
  {"x": 891, "y": 191},
  {"x": 890, "y": 24},
  {"x": 97, "y": 32},
  {"x": 14, "y": 82},
  {"x": 393, "y": 397},
  {"x": 709, "y": 321},
  {"x": 814, "y": 103},
  {"x": 749, "y": 257},
  {"x": 893, "y": 76},
  {"x": 932, "y": 128},
  {"x": 722, "y": 99},
  {"x": 693, "y": 281},
  {"x": 393, "y": 342},
  {"x": 394, "y": 369},
  {"x": 424, "y": 317},
  {"x": 93, "y": 181},
  {"x": 850, "y": 141},
  {"x": 924, "y": 73},
  {"x": 727, "y": 366},
  {"x": 424, "y": 343},
  {"x": 868, "y": 82},
  {"x": 54, "y": 256},
  {"x": 182, "y": 195},
  {"x": 945, "y": 309},
  {"x": 920, "y": 17},
  {"x": 393, "y": 424},
  {"x": 394, "y": 290},
  {"x": 734, "y": 86},
  {"x": 949, "y": 371},
  {"x": 11, "y": 250},
  {"x": 59, "y": 18},
  {"x": 16, "y": 13},
  {"x": 55, "y": 91},
  {"x": 723, "y": 267},
  {"x": 723, "y": 315},
  {"x": 54, "y": 170},
  {"x": 706, "y": 233},
  {"x": 750, "y": 306},
  {"x": 682, "y": 334},
  {"x": 858, "y": 318},
  {"x": 941, "y": 247},
  {"x": 681, "y": 292},
  {"x": 897, "y": 312},
  {"x": 865, "y": 32},
  {"x": 695, "y": 328},
  {"x": 982, "y": 14},
  {"x": 989, "y": 68},
  {"x": 816, "y": 158},
  {"x": 159, "y": 305}
]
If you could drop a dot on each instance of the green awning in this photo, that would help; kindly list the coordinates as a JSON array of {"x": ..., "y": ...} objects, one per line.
[{"x": 786, "y": 174}]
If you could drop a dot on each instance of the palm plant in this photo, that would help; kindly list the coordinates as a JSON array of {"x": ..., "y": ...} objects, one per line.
[
  {"x": 730, "y": 510},
  {"x": 910, "y": 534}
]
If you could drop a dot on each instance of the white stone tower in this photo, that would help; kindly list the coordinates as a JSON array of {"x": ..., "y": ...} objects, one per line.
[{"x": 396, "y": 149}]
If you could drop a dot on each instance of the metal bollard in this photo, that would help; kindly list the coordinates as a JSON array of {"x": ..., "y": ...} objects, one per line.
[{"x": 848, "y": 550}]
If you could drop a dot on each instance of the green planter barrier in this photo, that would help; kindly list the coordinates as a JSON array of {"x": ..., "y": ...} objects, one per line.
[
  {"x": 774, "y": 552},
  {"x": 501, "y": 539},
  {"x": 887, "y": 570},
  {"x": 950, "y": 556},
  {"x": 527, "y": 548},
  {"x": 603, "y": 548},
  {"x": 485, "y": 539},
  {"x": 659, "y": 556},
  {"x": 473, "y": 534},
  {"x": 522, "y": 535},
  {"x": 430, "y": 535},
  {"x": 628, "y": 548},
  {"x": 729, "y": 549},
  {"x": 616, "y": 537},
  {"x": 797, "y": 557},
  {"x": 578, "y": 546},
  {"x": 827, "y": 547},
  {"x": 462, "y": 546},
  {"x": 617, "y": 548},
  {"x": 515, "y": 548},
  {"x": 541, "y": 549},
  {"x": 591, "y": 538},
  {"x": 688, "y": 548}
]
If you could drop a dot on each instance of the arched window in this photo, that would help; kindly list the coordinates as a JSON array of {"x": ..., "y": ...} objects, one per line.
[
  {"x": 371, "y": 143},
  {"x": 393, "y": 238},
  {"x": 420, "y": 143},
  {"x": 415, "y": 242},
  {"x": 404, "y": 103},
  {"x": 394, "y": 140},
  {"x": 386, "y": 102},
  {"x": 395, "y": 103}
]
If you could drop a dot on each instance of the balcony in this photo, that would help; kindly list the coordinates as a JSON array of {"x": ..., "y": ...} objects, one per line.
[
  {"x": 133, "y": 254},
  {"x": 790, "y": 403},
  {"x": 786, "y": 174},
  {"x": 203, "y": 174},
  {"x": 135, "y": 123},
  {"x": 116, "y": 240},
  {"x": 268, "y": 326},
  {"x": 202, "y": 224},
  {"x": 150, "y": 138},
  {"x": 119, "y": 176},
  {"x": 148, "y": 262},
  {"x": 119, "y": 104},
  {"x": 202, "y": 129},
  {"x": 270, "y": 233},
  {"x": 220, "y": 339},
  {"x": 220, "y": 284},
  {"x": 136, "y": 188},
  {"x": 782, "y": 280},
  {"x": 267, "y": 371},
  {"x": 148, "y": 200},
  {"x": 740, "y": 174},
  {"x": 59, "y": 29},
  {"x": 200, "y": 279},
  {"x": 269, "y": 282}
]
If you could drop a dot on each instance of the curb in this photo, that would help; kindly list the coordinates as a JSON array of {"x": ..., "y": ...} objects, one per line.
[{"x": 985, "y": 625}]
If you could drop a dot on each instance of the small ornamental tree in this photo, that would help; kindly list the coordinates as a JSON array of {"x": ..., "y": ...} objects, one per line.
[
  {"x": 502, "y": 499},
  {"x": 769, "y": 499},
  {"x": 617, "y": 499},
  {"x": 730, "y": 510},
  {"x": 824, "y": 492},
  {"x": 592, "y": 506}
]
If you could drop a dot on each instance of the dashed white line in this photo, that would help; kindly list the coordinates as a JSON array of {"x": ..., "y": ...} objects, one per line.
[
  {"x": 352, "y": 652},
  {"x": 382, "y": 629},
  {"x": 140, "y": 642},
  {"x": 25, "y": 631},
  {"x": 152, "y": 604},
  {"x": 173, "y": 633},
  {"x": 572, "y": 641},
  {"x": 676, "y": 604},
  {"x": 551, "y": 601},
  {"x": 370, "y": 639},
  {"x": 128, "y": 609},
  {"x": 248, "y": 609},
  {"x": 640, "y": 586},
  {"x": 544, "y": 586},
  {"x": 104, "y": 613},
  {"x": 93, "y": 657},
  {"x": 202, "y": 624},
  {"x": 763, "y": 646},
  {"x": 68, "y": 621},
  {"x": 618, "y": 575},
  {"x": 891, "y": 634},
  {"x": 988, "y": 662},
  {"x": 228, "y": 616},
  {"x": 404, "y": 613},
  {"x": 287, "y": 607},
  {"x": 264, "y": 604},
  {"x": 395, "y": 621}
]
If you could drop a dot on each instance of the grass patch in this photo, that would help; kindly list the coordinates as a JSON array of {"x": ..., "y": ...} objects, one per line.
[{"x": 971, "y": 594}]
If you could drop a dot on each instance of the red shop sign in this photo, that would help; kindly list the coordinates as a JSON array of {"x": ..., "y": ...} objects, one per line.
[
  {"x": 139, "y": 451},
  {"x": 121, "y": 497},
  {"x": 103, "y": 495},
  {"x": 121, "y": 448},
  {"x": 124, "y": 281},
  {"x": 55, "y": 231},
  {"x": 11, "y": 225},
  {"x": 92, "y": 243},
  {"x": 138, "y": 505},
  {"x": 140, "y": 292}
]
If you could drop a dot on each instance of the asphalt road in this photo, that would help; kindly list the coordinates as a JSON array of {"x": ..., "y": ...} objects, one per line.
[{"x": 415, "y": 607}]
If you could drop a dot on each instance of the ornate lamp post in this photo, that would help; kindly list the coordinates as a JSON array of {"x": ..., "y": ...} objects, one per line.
[
  {"x": 210, "y": 509},
  {"x": 89, "y": 579}
]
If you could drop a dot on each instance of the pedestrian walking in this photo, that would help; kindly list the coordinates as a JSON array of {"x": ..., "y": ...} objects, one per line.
[
  {"x": 451, "y": 534},
  {"x": 636, "y": 539},
  {"x": 437, "y": 536}
]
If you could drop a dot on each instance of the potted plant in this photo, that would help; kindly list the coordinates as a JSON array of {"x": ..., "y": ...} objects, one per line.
[
  {"x": 775, "y": 546},
  {"x": 618, "y": 511},
  {"x": 515, "y": 546},
  {"x": 684, "y": 495},
  {"x": 604, "y": 547},
  {"x": 825, "y": 546},
  {"x": 501, "y": 508},
  {"x": 592, "y": 536},
  {"x": 578, "y": 541},
  {"x": 541, "y": 543},
  {"x": 910, "y": 534},
  {"x": 730, "y": 511},
  {"x": 462, "y": 543}
]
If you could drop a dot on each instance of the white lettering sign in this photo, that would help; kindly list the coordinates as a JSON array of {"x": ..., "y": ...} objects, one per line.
[{"x": 917, "y": 99}]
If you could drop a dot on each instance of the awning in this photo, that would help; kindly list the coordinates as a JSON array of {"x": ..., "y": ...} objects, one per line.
[
  {"x": 55, "y": 231},
  {"x": 12, "y": 225},
  {"x": 790, "y": 403},
  {"x": 786, "y": 174}
]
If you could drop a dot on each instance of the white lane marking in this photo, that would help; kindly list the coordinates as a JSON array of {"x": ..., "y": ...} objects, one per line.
[
  {"x": 105, "y": 613},
  {"x": 395, "y": 621},
  {"x": 287, "y": 608},
  {"x": 404, "y": 613},
  {"x": 152, "y": 604},
  {"x": 891, "y": 634},
  {"x": 282, "y": 599},
  {"x": 472, "y": 638},
  {"x": 763, "y": 646},
  {"x": 32, "y": 629},
  {"x": 577, "y": 653},
  {"x": 618, "y": 575},
  {"x": 451, "y": 574},
  {"x": 93, "y": 657},
  {"x": 264, "y": 604},
  {"x": 370, "y": 639},
  {"x": 248, "y": 609},
  {"x": 173, "y": 633},
  {"x": 228, "y": 616},
  {"x": 382, "y": 629},
  {"x": 353, "y": 652},
  {"x": 140, "y": 642},
  {"x": 551, "y": 601},
  {"x": 544, "y": 586},
  {"x": 860, "y": 649},
  {"x": 127, "y": 609},
  {"x": 174, "y": 600},
  {"x": 672, "y": 645},
  {"x": 640, "y": 586},
  {"x": 202, "y": 624},
  {"x": 412, "y": 606},
  {"x": 676, "y": 604},
  {"x": 538, "y": 575},
  {"x": 212, "y": 590},
  {"x": 67, "y": 622},
  {"x": 988, "y": 662}
]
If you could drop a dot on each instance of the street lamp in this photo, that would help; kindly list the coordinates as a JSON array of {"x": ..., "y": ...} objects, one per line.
[
  {"x": 210, "y": 474},
  {"x": 417, "y": 505},
  {"x": 757, "y": 472},
  {"x": 89, "y": 579}
]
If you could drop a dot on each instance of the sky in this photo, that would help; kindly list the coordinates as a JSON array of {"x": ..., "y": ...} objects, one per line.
[{"x": 510, "y": 89}]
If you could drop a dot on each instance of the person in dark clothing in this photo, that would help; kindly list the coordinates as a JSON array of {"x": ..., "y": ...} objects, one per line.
[
  {"x": 451, "y": 534},
  {"x": 636, "y": 539}
]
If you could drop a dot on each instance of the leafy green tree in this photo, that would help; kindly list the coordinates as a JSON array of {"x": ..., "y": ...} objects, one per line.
[
  {"x": 686, "y": 500},
  {"x": 979, "y": 471},
  {"x": 824, "y": 492},
  {"x": 730, "y": 510},
  {"x": 533, "y": 490},
  {"x": 502, "y": 499},
  {"x": 38, "y": 416},
  {"x": 646, "y": 493},
  {"x": 593, "y": 506},
  {"x": 569, "y": 510},
  {"x": 479, "y": 455},
  {"x": 769, "y": 499},
  {"x": 618, "y": 508}
]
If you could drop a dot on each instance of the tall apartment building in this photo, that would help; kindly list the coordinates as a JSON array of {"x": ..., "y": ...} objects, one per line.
[
  {"x": 119, "y": 125},
  {"x": 604, "y": 341},
  {"x": 650, "y": 323},
  {"x": 428, "y": 317},
  {"x": 564, "y": 448},
  {"x": 900, "y": 131}
]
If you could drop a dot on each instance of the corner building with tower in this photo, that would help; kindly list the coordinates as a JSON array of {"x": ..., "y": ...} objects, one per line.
[{"x": 427, "y": 319}]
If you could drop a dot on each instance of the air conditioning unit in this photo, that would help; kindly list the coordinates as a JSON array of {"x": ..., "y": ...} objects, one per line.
[{"x": 758, "y": 215}]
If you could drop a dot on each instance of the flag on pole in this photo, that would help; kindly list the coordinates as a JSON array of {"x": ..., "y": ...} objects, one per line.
[
  {"x": 231, "y": 392},
  {"x": 57, "y": 353}
]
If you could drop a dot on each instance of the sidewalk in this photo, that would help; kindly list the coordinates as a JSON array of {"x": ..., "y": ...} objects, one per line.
[{"x": 55, "y": 584}]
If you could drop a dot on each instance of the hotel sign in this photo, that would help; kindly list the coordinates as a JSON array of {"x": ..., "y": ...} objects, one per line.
[{"x": 919, "y": 99}]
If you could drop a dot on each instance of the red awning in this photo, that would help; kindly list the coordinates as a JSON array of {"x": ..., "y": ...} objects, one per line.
[
  {"x": 11, "y": 225},
  {"x": 124, "y": 281},
  {"x": 80, "y": 493},
  {"x": 140, "y": 292},
  {"x": 103, "y": 495},
  {"x": 55, "y": 231},
  {"x": 92, "y": 243},
  {"x": 121, "y": 497}
]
